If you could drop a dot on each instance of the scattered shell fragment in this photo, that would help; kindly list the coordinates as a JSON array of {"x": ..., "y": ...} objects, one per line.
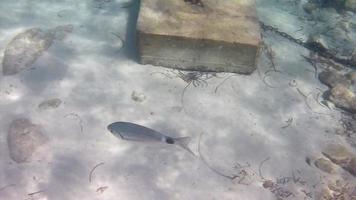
[
  {"x": 50, "y": 104},
  {"x": 138, "y": 97}
]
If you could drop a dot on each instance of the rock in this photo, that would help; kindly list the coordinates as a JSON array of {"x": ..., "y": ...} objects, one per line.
[
  {"x": 268, "y": 184},
  {"x": 309, "y": 7},
  {"x": 26, "y": 47},
  {"x": 138, "y": 97},
  {"x": 343, "y": 25},
  {"x": 343, "y": 98},
  {"x": 353, "y": 58},
  {"x": 50, "y": 104},
  {"x": 325, "y": 165},
  {"x": 337, "y": 4},
  {"x": 352, "y": 77},
  {"x": 331, "y": 78},
  {"x": 351, "y": 166},
  {"x": 337, "y": 153},
  {"x": 317, "y": 43},
  {"x": 340, "y": 4},
  {"x": 342, "y": 89},
  {"x": 23, "y": 139},
  {"x": 324, "y": 194},
  {"x": 342, "y": 189},
  {"x": 350, "y": 5},
  {"x": 348, "y": 127},
  {"x": 24, "y": 50}
]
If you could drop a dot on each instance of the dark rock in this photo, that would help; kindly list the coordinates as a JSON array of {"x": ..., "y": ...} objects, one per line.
[
  {"x": 341, "y": 4},
  {"x": 23, "y": 139},
  {"x": 332, "y": 78},
  {"x": 268, "y": 184},
  {"x": 336, "y": 2},
  {"x": 317, "y": 43}
]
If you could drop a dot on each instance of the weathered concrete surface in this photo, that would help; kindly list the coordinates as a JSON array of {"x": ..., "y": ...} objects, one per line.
[{"x": 220, "y": 36}]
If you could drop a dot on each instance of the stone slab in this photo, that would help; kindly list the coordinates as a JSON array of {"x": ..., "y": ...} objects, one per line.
[{"x": 222, "y": 36}]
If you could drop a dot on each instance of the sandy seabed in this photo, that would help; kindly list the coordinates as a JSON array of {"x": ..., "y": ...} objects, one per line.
[{"x": 256, "y": 128}]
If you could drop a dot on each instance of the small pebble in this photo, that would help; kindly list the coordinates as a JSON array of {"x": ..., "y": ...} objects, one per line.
[{"x": 138, "y": 97}]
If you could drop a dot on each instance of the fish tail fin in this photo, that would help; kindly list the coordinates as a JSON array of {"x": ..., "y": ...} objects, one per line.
[{"x": 184, "y": 142}]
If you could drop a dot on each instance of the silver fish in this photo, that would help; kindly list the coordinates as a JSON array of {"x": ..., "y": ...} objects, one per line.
[{"x": 135, "y": 132}]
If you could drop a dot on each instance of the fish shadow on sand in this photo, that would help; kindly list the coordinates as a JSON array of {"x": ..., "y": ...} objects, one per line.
[
  {"x": 68, "y": 177},
  {"x": 50, "y": 67}
]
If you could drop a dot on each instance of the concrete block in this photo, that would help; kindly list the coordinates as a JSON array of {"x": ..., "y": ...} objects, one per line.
[{"x": 220, "y": 36}]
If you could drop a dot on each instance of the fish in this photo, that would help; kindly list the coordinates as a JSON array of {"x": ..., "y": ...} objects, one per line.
[{"x": 134, "y": 132}]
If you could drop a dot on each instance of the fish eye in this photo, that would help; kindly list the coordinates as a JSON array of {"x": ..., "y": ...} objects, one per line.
[
  {"x": 169, "y": 140},
  {"x": 110, "y": 129}
]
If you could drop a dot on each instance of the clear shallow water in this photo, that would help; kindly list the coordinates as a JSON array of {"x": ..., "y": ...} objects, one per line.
[{"x": 258, "y": 127}]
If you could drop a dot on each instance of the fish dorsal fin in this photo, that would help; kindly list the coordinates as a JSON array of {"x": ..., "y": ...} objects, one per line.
[{"x": 184, "y": 142}]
